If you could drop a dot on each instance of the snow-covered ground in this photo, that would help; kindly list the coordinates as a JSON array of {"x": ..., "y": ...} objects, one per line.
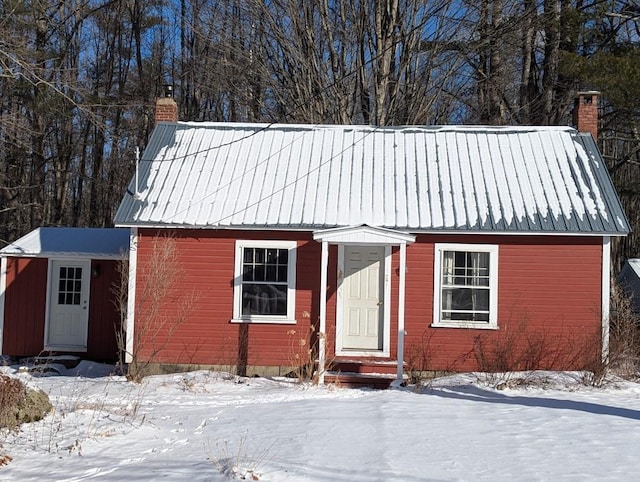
[{"x": 206, "y": 426}]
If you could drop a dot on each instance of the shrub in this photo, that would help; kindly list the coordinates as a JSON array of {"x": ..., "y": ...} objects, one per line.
[
  {"x": 19, "y": 404},
  {"x": 418, "y": 359},
  {"x": 623, "y": 355},
  {"x": 12, "y": 391},
  {"x": 161, "y": 307},
  {"x": 624, "y": 335}
]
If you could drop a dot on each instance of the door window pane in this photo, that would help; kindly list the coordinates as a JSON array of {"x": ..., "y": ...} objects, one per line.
[{"x": 69, "y": 285}]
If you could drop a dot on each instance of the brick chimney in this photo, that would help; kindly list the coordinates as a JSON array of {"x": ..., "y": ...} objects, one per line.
[
  {"x": 585, "y": 112},
  {"x": 166, "y": 107}
]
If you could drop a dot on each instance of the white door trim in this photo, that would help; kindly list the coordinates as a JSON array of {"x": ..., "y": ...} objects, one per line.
[
  {"x": 50, "y": 289},
  {"x": 386, "y": 312}
]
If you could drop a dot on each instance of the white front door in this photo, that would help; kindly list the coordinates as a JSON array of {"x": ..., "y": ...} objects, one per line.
[
  {"x": 363, "y": 298},
  {"x": 69, "y": 305}
]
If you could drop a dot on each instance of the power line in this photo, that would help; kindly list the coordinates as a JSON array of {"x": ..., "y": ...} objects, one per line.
[{"x": 316, "y": 94}]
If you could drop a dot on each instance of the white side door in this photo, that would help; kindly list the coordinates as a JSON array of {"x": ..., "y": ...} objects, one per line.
[
  {"x": 69, "y": 305},
  {"x": 363, "y": 298}
]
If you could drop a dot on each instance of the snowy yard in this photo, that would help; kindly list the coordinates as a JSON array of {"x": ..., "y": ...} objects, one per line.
[{"x": 206, "y": 426}]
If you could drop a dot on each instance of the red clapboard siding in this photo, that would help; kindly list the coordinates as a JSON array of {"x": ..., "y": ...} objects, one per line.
[
  {"x": 547, "y": 286},
  {"x": 104, "y": 317},
  {"x": 24, "y": 310},
  {"x": 204, "y": 335}
]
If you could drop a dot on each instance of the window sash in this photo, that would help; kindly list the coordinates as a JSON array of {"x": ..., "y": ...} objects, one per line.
[
  {"x": 265, "y": 281},
  {"x": 264, "y": 265},
  {"x": 465, "y": 304},
  {"x": 264, "y": 299}
]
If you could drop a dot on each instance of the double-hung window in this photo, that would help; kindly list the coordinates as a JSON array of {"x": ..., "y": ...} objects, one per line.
[
  {"x": 264, "y": 282},
  {"x": 466, "y": 286}
]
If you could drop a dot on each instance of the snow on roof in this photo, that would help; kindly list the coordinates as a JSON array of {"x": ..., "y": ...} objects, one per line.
[
  {"x": 71, "y": 242},
  {"x": 452, "y": 179}
]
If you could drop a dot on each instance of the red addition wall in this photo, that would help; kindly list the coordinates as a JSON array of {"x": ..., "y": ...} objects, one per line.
[
  {"x": 25, "y": 309},
  {"x": 24, "y": 306},
  {"x": 104, "y": 316},
  {"x": 549, "y": 301}
]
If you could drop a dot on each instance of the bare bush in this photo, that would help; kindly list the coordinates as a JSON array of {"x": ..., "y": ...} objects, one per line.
[
  {"x": 517, "y": 347},
  {"x": 497, "y": 354},
  {"x": 161, "y": 307},
  {"x": 624, "y": 335},
  {"x": 418, "y": 359},
  {"x": 502, "y": 351},
  {"x": 120, "y": 290},
  {"x": 623, "y": 355}
]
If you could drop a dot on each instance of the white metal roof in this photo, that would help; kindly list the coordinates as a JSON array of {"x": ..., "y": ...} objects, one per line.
[
  {"x": 457, "y": 178},
  {"x": 51, "y": 242}
]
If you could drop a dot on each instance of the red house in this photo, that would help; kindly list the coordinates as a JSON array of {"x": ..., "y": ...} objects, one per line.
[
  {"x": 372, "y": 249},
  {"x": 56, "y": 292}
]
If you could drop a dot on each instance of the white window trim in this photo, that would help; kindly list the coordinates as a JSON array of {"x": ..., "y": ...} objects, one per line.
[
  {"x": 492, "y": 249},
  {"x": 289, "y": 319}
]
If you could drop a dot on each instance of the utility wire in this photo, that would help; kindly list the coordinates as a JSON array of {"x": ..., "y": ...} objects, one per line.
[{"x": 266, "y": 127}]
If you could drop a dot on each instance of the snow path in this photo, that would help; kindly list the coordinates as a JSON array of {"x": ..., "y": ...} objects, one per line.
[{"x": 189, "y": 426}]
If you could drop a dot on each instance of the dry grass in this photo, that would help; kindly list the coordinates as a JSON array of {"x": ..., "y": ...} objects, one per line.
[
  {"x": 237, "y": 462},
  {"x": 302, "y": 354}
]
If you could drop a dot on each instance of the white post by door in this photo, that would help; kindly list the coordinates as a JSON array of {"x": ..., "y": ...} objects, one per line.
[
  {"x": 401, "y": 298},
  {"x": 322, "y": 335}
]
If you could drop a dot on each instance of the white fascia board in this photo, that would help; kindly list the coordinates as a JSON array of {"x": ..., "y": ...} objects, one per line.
[
  {"x": 516, "y": 233},
  {"x": 402, "y": 230},
  {"x": 65, "y": 255}
]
